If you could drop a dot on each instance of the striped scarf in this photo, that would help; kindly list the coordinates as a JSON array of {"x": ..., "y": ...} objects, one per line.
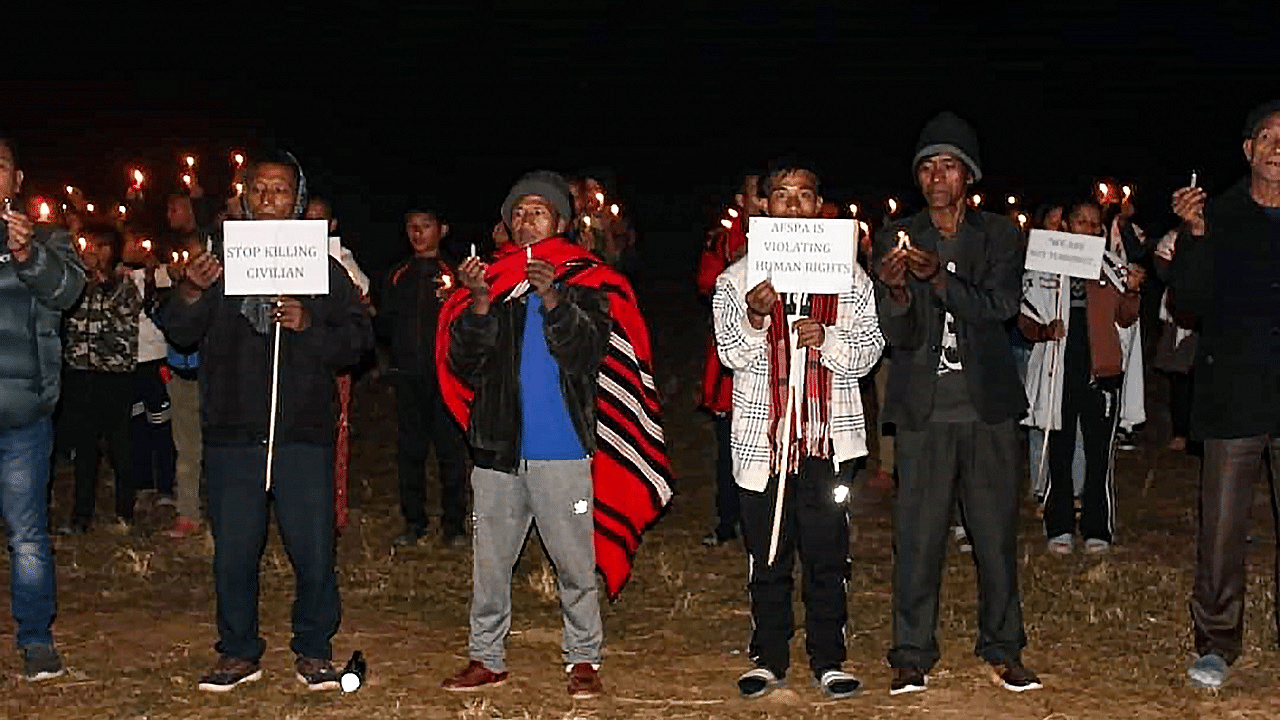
[
  {"x": 811, "y": 428},
  {"x": 630, "y": 473}
]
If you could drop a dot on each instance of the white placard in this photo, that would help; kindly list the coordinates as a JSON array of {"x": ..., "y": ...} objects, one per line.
[
  {"x": 276, "y": 257},
  {"x": 802, "y": 254},
  {"x": 1060, "y": 253}
]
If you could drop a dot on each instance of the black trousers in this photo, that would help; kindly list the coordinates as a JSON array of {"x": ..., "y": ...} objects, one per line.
[
  {"x": 815, "y": 523},
  {"x": 239, "y": 506},
  {"x": 981, "y": 463},
  {"x": 96, "y": 405},
  {"x": 423, "y": 422},
  {"x": 154, "y": 457},
  {"x": 728, "y": 506},
  {"x": 1181, "y": 386},
  {"x": 1095, "y": 405},
  {"x": 1229, "y": 470}
]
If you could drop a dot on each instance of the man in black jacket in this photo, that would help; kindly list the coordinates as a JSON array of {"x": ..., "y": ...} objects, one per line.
[
  {"x": 411, "y": 300},
  {"x": 1227, "y": 274},
  {"x": 324, "y": 334},
  {"x": 532, "y": 363},
  {"x": 949, "y": 279}
]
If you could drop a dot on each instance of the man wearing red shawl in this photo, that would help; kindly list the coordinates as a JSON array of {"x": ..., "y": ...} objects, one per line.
[{"x": 545, "y": 360}]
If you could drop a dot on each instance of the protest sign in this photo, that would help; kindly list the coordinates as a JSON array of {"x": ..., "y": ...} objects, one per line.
[
  {"x": 1060, "y": 253},
  {"x": 802, "y": 254},
  {"x": 276, "y": 257}
]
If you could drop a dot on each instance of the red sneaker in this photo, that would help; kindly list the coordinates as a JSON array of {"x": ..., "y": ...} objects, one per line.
[
  {"x": 584, "y": 681},
  {"x": 474, "y": 676}
]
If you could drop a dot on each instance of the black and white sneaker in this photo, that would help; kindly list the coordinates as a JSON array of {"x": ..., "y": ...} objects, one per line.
[
  {"x": 229, "y": 672},
  {"x": 758, "y": 682},
  {"x": 908, "y": 680},
  {"x": 41, "y": 662},
  {"x": 1014, "y": 677},
  {"x": 837, "y": 684},
  {"x": 1125, "y": 441},
  {"x": 317, "y": 674}
]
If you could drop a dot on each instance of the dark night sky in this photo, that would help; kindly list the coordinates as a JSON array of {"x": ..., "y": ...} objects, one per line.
[{"x": 452, "y": 104}]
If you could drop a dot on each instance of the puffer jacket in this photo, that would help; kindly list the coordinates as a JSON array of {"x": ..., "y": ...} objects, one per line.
[{"x": 33, "y": 296}]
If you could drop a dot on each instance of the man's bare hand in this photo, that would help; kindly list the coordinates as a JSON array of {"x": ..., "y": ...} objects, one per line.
[
  {"x": 542, "y": 277},
  {"x": 809, "y": 333},
  {"x": 20, "y": 232},
  {"x": 760, "y": 302},
  {"x": 1188, "y": 204},
  {"x": 291, "y": 314},
  {"x": 892, "y": 269}
]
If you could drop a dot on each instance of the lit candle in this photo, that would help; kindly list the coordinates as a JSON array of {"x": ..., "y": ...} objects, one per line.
[
  {"x": 89, "y": 207},
  {"x": 238, "y": 159},
  {"x": 473, "y": 249},
  {"x": 600, "y": 198},
  {"x": 70, "y": 190},
  {"x": 615, "y": 209},
  {"x": 123, "y": 210},
  {"x": 586, "y": 220},
  {"x": 447, "y": 281},
  {"x": 1022, "y": 220},
  {"x": 853, "y": 209},
  {"x": 64, "y": 207},
  {"x": 185, "y": 255},
  {"x": 977, "y": 199},
  {"x": 191, "y": 161},
  {"x": 1126, "y": 190},
  {"x": 866, "y": 229},
  {"x": 175, "y": 257},
  {"x": 733, "y": 212},
  {"x": 146, "y": 245},
  {"x": 1193, "y": 178},
  {"x": 893, "y": 206},
  {"x": 45, "y": 212},
  {"x": 186, "y": 179},
  {"x": 1103, "y": 189},
  {"x": 726, "y": 223},
  {"x": 904, "y": 240},
  {"x": 83, "y": 244},
  {"x": 239, "y": 189},
  {"x": 138, "y": 179},
  {"x": 528, "y": 252},
  {"x": 1012, "y": 199}
]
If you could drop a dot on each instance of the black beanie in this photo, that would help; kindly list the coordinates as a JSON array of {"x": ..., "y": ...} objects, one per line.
[
  {"x": 543, "y": 183},
  {"x": 1257, "y": 116},
  {"x": 949, "y": 133}
]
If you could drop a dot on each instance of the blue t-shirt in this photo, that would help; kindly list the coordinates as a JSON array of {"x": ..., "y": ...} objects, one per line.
[{"x": 547, "y": 431}]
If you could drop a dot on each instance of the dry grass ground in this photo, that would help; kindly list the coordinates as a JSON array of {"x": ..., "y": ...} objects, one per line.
[{"x": 1109, "y": 635}]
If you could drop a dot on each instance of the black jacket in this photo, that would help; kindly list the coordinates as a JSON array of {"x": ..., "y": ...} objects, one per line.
[
  {"x": 982, "y": 293},
  {"x": 235, "y": 369},
  {"x": 407, "y": 315},
  {"x": 1229, "y": 279},
  {"x": 484, "y": 351}
]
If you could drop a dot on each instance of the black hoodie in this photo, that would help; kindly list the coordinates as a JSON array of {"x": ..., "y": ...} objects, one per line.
[{"x": 235, "y": 371}]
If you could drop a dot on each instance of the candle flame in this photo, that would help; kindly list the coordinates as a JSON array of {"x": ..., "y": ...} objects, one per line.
[
  {"x": 186, "y": 179},
  {"x": 1126, "y": 190},
  {"x": 83, "y": 243},
  {"x": 865, "y": 227},
  {"x": 239, "y": 189},
  {"x": 89, "y": 207},
  {"x": 70, "y": 190},
  {"x": 191, "y": 161},
  {"x": 1102, "y": 188},
  {"x": 146, "y": 245},
  {"x": 447, "y": 280},
  {"x": 45, "y": 212},
  {"x": 1012, "y": 199},
  {"x": 1022, "y": 219},
  {"x": 175, "y": 257},
  {"x": 853, "y": 209},
  {"x": 727, "y": 224},
  {"x": 123, "y": 210},
  {"x": 238, "y": 158},
  {"x": 615, "y": 209},
  {"x": 138, "y": 178},
  {"x": 733, "y": 212},
  {"x": 977, "y": 199},
  {"x": 586, "y": 220},
  {"x": 600, "y": 198},
  {"x": 904, "y": 240},
  {"x": 185, "y": 255},
  {"x": 893, "y": 206}
]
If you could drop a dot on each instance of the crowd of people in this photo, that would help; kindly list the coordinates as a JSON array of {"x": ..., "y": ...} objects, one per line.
[{"x": 527, "y": 366}]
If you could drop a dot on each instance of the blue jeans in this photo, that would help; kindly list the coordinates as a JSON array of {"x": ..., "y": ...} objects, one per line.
[
  {"x": 24, "y": 498},
  {"x": 302, "y": 486}
]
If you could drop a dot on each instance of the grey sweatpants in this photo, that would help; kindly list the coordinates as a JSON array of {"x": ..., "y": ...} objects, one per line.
[{"x": 556, "y": 494}]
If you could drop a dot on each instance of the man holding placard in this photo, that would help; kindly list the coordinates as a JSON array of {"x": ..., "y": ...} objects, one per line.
[
  {"x": 797, "y": 424},
  {"x": 949, "y": 279},
  {"x": 254, "y": 450}
]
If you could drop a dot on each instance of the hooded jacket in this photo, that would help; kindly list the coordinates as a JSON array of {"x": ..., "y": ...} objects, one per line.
[
  {"x": 235, "y": 370},
  {"x": 33, "y": 296}
]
